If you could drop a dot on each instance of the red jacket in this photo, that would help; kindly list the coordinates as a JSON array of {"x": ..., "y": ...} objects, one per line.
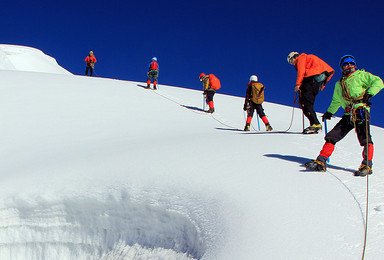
[
  {"x": 308, "y": 65},
  {"x": 153, "y": 66},
  {"x": 90, "y": 59}
]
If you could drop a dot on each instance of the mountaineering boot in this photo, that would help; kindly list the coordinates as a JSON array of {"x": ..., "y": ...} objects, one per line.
[
  {"x": 316, "y": 165},
  {"x": 211, "y": 107},
  {"x": 364, "y": 170},
  {"x": 313, "y": 129},
  {"x": 268, "y": 127},
  {"x": 148, "y": 84},
  {"x": 247, "y": 127}
]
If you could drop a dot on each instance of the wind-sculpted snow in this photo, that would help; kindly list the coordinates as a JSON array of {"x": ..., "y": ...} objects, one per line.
[
  {"x": 22, "y": 58},
  {"x": 93, "y": 229}
]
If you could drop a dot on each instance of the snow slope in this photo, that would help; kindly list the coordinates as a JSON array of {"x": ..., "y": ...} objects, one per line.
[{"x": 104, "y": 169}]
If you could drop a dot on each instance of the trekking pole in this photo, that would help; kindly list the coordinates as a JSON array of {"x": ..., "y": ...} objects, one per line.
[
  {"x": 204, "y": 102},
  {"x": 326, "y": 132}
]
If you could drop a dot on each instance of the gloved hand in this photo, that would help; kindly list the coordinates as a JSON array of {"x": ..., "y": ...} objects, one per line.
[
  {"x": 246, "y": 106},
  {"x": 327, "y": 116},
  {"x": 366, "y": 99}
]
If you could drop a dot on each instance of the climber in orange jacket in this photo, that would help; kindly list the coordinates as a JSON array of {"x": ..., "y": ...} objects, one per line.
[{"x": 312, "y": 76}]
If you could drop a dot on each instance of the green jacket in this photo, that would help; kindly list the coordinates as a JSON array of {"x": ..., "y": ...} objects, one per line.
[{"x": 357, "y": 84}]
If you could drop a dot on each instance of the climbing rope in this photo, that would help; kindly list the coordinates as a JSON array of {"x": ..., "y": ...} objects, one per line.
[
  {"x": 367, "y": 196},
  {"x": 224, "y": 124},
  {"x": 295, "y": 101},
  {"x": 354, "y": 197},
  {"x": 364, "y": 217}
]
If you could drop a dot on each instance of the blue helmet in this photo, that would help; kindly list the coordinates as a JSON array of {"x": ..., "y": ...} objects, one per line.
[
  {"x": 154, "y": 58},
  {"x": 345, "y": 59}
]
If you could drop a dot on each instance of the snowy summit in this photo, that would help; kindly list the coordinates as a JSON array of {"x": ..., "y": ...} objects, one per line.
[{"x": 97, "y": 168}]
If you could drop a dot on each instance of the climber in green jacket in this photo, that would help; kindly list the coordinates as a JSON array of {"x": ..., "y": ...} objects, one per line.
[{"x": 352, "y": 92}]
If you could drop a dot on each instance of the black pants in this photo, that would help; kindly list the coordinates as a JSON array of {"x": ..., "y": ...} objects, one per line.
[
  {"x": 258, "y": 107},
  {"x": 209, "y": 95},
  {"x": 345, "y": 125},
  {"x": 308, "y": 92},
  {"x": 90, "y": 69}
]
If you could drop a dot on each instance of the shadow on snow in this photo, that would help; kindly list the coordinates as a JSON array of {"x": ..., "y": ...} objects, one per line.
[
  {"x": 259, "y": 132},
  {"x": 303, "y": 160},
  {"x": 193, "y": 108}
]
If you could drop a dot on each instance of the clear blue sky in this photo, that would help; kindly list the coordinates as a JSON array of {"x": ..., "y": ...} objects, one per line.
[{"x": 231, "y": 39}]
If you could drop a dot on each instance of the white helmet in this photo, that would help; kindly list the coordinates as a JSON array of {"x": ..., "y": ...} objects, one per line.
[
  {"x": 253, "y": 78},
  {"x": 292, "y": 55}
]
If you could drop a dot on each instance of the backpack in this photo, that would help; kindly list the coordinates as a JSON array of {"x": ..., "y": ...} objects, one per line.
[
  {"x": 214, "y": 82},
  {"x": 257, "y": 92},
  {"x": 153, "y": 66}
]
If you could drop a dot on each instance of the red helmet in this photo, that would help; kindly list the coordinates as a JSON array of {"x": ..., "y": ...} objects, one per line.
[{"x": 201, "y": 76}]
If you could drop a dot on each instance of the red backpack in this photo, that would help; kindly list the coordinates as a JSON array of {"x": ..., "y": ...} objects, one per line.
[
  {"x": 214, "y": 82},
  {"x": 154, "y": 66}
]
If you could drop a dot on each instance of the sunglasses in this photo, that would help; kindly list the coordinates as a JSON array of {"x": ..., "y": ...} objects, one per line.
[
  {"x": 291, "y": 61},
  {"x": 349, "y": 63}
]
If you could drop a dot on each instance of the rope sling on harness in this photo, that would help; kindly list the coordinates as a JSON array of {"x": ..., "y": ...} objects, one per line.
[{"x": 353, "y": 101}]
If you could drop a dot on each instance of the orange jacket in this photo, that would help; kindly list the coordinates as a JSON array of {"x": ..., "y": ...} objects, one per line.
[
  {"x": 90, "y": 59},
  {"x": 308, "y": 65}
]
